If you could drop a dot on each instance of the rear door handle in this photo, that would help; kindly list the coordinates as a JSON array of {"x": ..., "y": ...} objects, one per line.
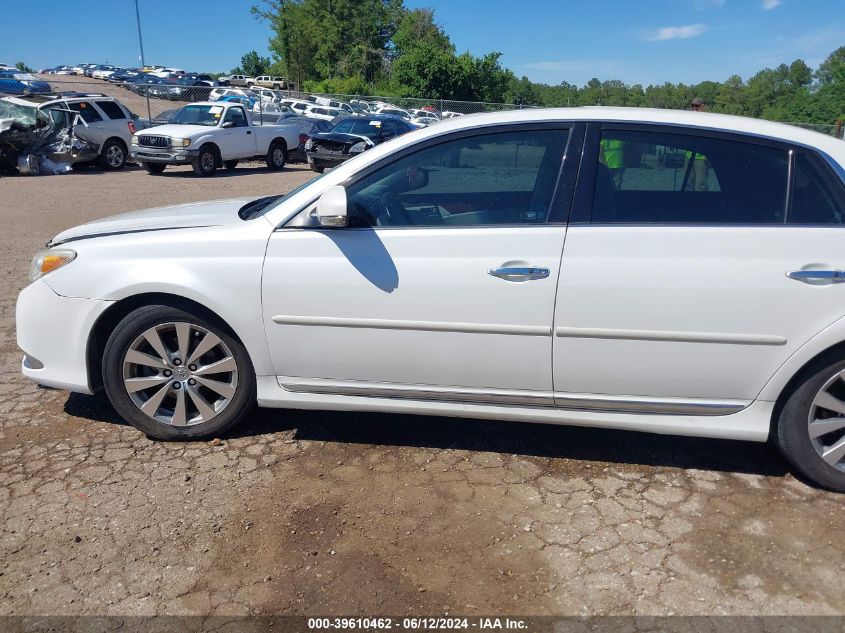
[
  {"x": 519, "y": 273},
  {"x": 818, "y": 276}
]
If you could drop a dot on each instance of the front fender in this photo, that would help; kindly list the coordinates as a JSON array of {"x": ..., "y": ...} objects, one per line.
[{"x": 217, "y": 267}]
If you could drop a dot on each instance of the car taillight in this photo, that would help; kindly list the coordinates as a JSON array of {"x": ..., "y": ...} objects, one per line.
[
  {"x": 131, "y": 126},
  {"x": 303, "y": 138}
]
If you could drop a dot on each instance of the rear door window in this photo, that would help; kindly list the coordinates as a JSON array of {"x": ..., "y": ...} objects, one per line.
[
  {"x": 112, "y": 110},
  {"x": 817, "y": 196},
  {"x": 656, "y": 177}
]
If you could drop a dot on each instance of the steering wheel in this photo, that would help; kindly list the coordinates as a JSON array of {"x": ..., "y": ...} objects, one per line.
[{"x": 390, "y": 211}]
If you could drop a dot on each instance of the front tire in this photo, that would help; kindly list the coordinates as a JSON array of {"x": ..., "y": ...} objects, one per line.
[
  {"x": 175, "y": 375},
  {"x": 811, "y": 424},
  {"x": 276, "y": 156},
  {"x": 205, "y": 163},
  {"x": 154, "y": 168}
]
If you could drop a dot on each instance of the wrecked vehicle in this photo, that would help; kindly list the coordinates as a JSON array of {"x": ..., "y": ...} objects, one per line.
[
  {"x": 102, "y": 123},
  {"x": 34, "y": 141}
]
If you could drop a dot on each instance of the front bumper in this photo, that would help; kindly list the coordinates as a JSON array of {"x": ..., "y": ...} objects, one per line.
[
  {"x": 325, "y": 158},
  {"x": 53, "y": 332},
  {"x": 170, "y": 156}
]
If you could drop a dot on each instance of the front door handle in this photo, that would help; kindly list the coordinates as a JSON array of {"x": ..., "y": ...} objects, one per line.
[
  {"x": 818, "y": 276},
  {"x": 519, "y": 273}
]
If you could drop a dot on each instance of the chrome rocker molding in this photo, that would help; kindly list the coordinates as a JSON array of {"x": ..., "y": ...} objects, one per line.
[{"x": 513, "y": 397}]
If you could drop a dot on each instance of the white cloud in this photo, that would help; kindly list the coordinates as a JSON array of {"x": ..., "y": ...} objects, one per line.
[
  {"x": 703, "y": 5},
  {"x": 676, "y": 32},
  {"x": 768, "y": 5}
]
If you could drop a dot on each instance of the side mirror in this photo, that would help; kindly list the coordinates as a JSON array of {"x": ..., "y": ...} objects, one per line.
[
  {"x": 331, "y": 207},
  {"x": 228, "y": 124}
]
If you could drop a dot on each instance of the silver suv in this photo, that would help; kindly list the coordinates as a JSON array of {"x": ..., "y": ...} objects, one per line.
[{"x": 104, "y": 121}]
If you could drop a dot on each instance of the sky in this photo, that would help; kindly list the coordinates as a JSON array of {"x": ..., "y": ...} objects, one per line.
[{"x": 637, "y": 41}]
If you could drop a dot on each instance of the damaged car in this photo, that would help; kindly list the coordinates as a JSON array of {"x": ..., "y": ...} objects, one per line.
[
  {"x": 350, "y": 137},
  {"x": 35, "y": 141},
  {"x": 99, "y": 127}
]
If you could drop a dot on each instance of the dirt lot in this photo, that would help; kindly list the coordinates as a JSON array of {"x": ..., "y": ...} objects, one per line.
[{"x": 328, "y": 513}]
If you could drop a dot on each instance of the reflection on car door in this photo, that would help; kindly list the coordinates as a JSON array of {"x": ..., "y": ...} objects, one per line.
[
  {"x": 443, "y": 283},
  {"x": 674, "y": 280}
]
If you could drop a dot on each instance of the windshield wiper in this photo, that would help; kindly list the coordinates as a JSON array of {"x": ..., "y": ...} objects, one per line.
[{"x": 253, "y": 209}]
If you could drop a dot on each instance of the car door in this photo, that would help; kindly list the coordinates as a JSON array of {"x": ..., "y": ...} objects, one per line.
[
  {"x": 442, "y": 285},
  {"x": 690, "y": 272},
  {"x": 237, "y": 140},
  {"x": 93, "y": 128}
]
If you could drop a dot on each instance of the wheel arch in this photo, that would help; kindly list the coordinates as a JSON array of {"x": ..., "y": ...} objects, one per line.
[
  {"x": 830, "y": 354},
  {"x": 106, "y": 323},
  {"x": 216, "y": 149}
]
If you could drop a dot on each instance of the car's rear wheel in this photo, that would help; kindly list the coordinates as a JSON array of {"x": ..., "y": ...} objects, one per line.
[
  {"x": 276, "y": 156},
  {"x": 230, "y": 164},
  {"x": 154, "y": 168},
  {"x": 205, "y": 163},
  {"x": 177, "y": 376},
  {"x": 112, "y": 155},
  {"x": 811, "y": 424}
]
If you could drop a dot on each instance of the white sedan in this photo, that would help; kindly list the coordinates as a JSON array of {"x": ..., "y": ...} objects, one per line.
[{"x": 660, "y": 271}]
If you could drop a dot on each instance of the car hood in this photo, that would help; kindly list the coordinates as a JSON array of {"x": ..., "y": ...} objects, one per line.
[
  {"x": 176, "y": 130},
  {"x": 343, "y": 137},
  {"x": 181, "y": 216}
]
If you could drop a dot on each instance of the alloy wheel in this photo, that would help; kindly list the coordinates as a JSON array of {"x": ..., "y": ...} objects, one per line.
[
  {"x": 826, "y": 422},
  {"x": 278, "y": 157},
  {"x": 114, "y": 156},
  {"x": 180, "y": 374}
]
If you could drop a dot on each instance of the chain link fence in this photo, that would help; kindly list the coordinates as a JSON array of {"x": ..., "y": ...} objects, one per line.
[{"x": 155, "y": 101}]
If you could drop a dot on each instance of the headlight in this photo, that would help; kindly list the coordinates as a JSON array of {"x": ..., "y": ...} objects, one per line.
[
  {"x": 358, "y": 147},
  {"x": 134, "y": 140},
  {"x": 180, "y": 142},
  {"x": 49, "y": 260}
]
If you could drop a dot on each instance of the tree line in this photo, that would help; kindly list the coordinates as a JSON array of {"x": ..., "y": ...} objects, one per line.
[{"x": 380, "y": 47}]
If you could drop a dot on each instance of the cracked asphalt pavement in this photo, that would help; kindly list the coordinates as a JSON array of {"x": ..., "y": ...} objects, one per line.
[{"x": 336, "y": 513}]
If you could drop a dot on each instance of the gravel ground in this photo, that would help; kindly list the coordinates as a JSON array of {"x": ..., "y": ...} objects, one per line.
[{"x": 333, "y": 513}]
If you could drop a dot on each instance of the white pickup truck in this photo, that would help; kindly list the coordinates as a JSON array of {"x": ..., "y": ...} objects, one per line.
[{"x": 209, "y": 135}]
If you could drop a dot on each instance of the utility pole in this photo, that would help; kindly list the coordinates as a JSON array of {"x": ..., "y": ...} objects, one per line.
[{"x": 143, "y": 63}]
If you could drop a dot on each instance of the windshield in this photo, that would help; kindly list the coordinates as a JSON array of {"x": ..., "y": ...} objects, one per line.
[
  {"x": 207, "y": 115},
  {"x": 20, "y": 113},
  {"x": 361, "y": 127}
]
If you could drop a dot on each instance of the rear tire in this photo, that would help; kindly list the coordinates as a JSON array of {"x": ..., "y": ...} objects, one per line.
[
  {"x": 112, "y": 155},
  {"x": 131, "y": 386},
  {"x": 276, "y": 156},
  {"x": 154, "y": 168},
  {"x": 230, "y": 164},
  {"x": 205, "y": 163},
  {"x": 808, "y": 430}
]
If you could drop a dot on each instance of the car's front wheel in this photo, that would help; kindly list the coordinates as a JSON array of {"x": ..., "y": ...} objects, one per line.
[
  {"x": 205, "y": 163},
  {"x": 176, "y": 375},
  {"x": 811, "y": 424}
]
